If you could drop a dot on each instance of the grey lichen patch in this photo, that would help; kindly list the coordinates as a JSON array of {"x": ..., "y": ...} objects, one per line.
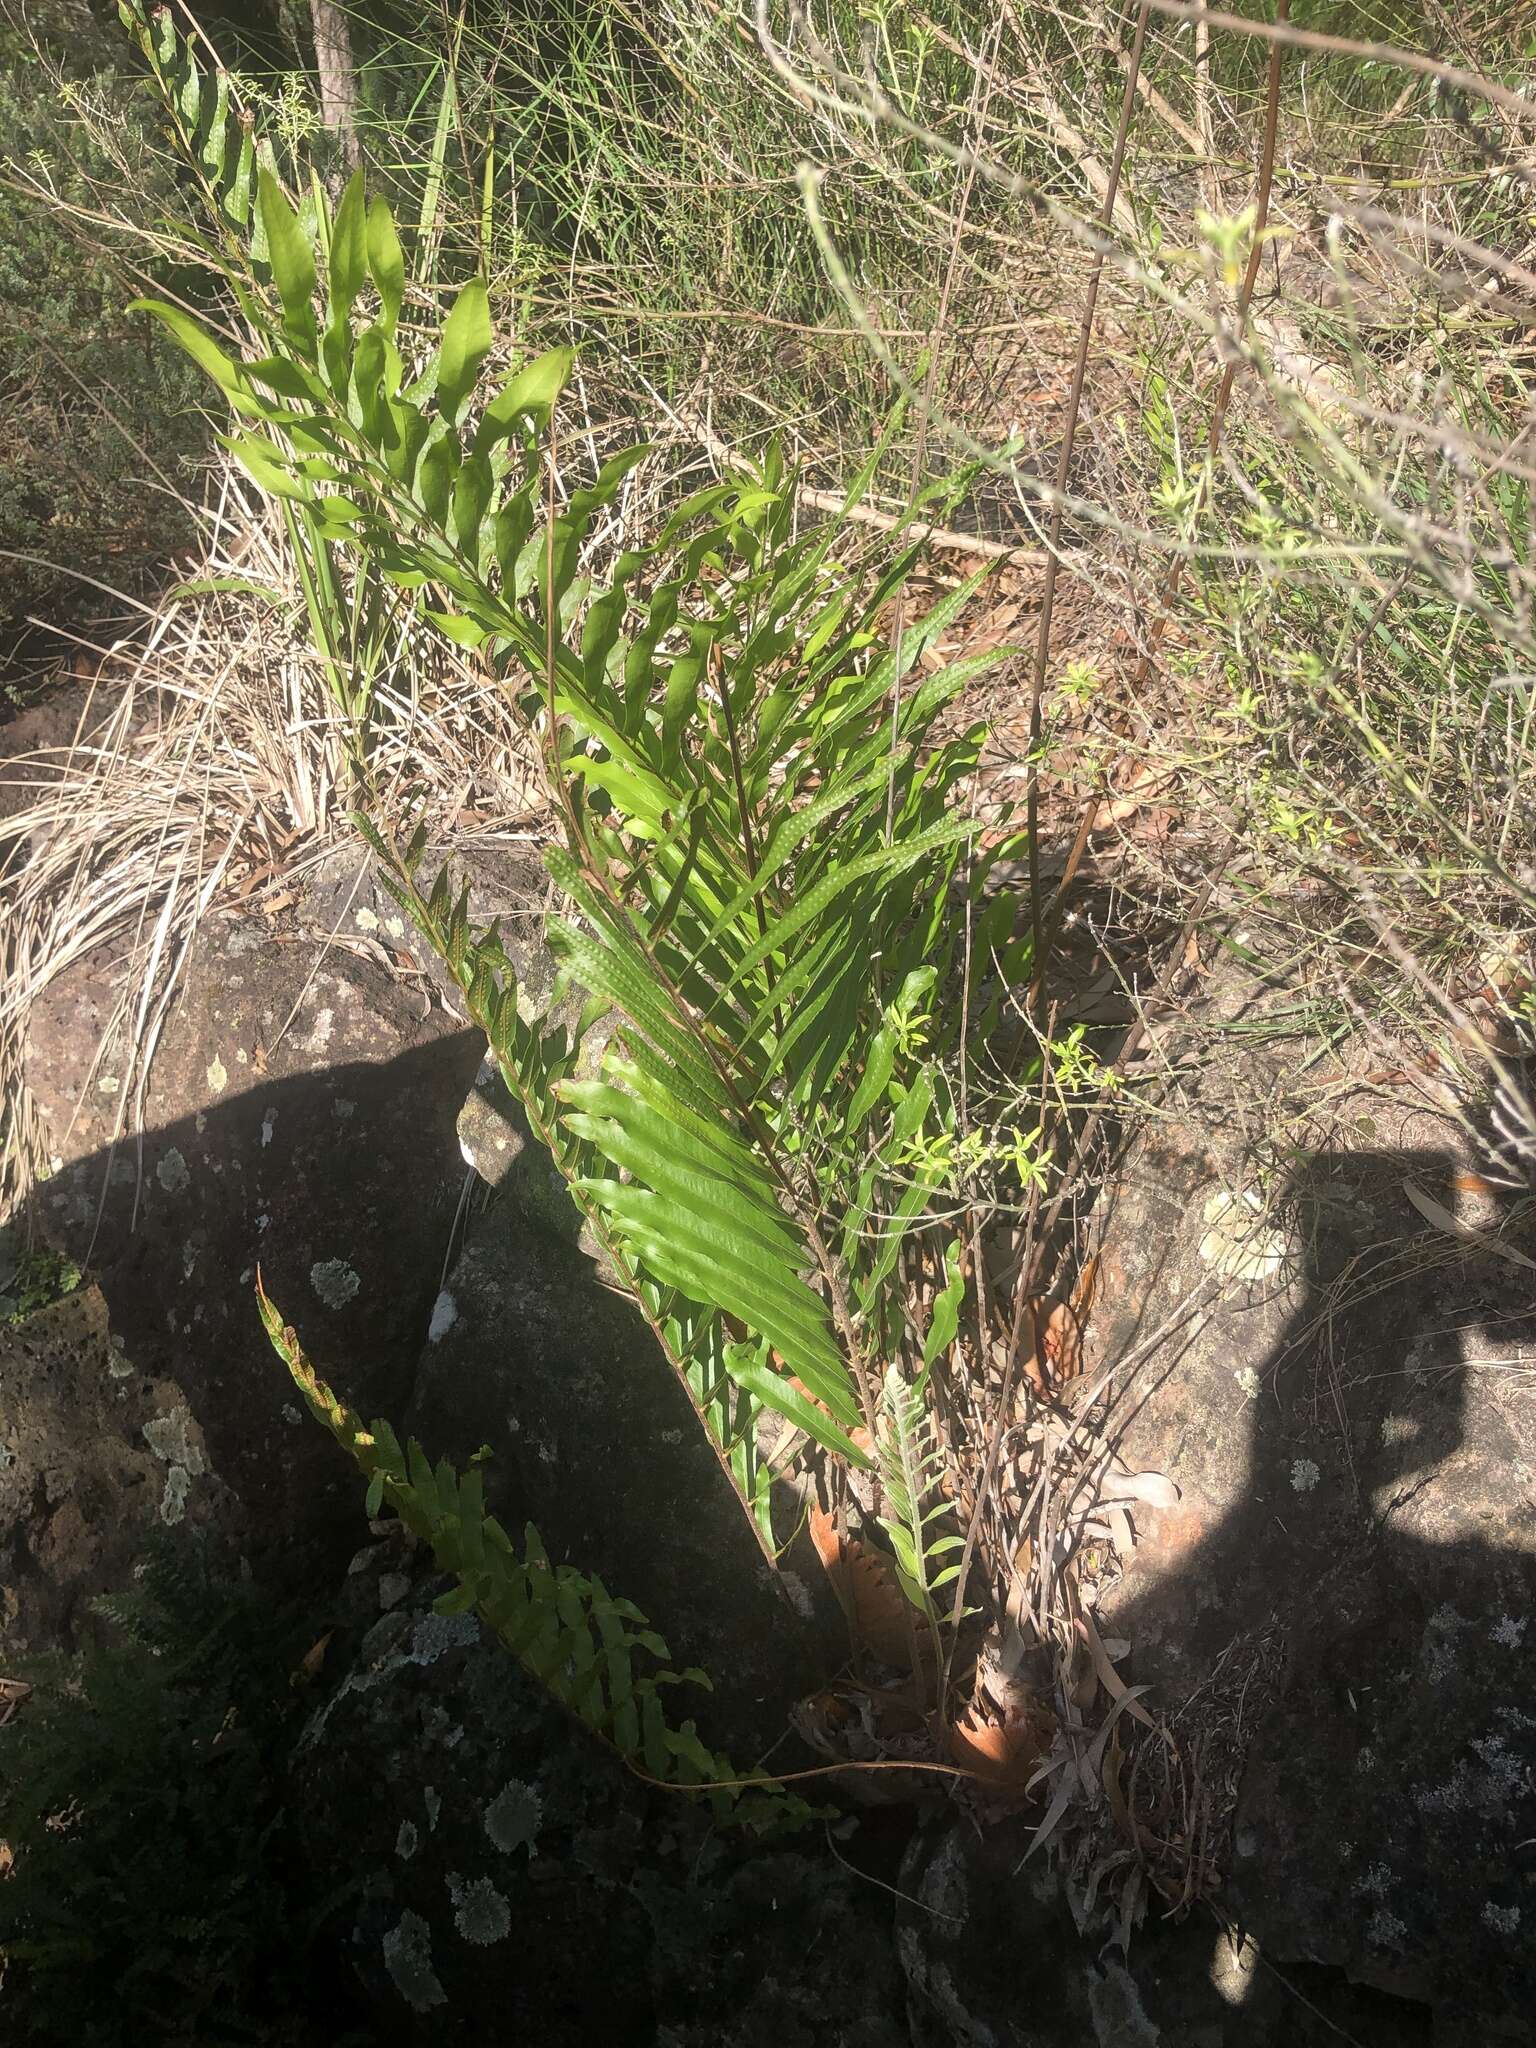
[
  {"x": 173, "y": 1502},
  {"x": 407, "y": 1841},
  {"x": 1502, "y": 1919},
  {"x": 408, "y": 1958},
  {"x": 436, "y": 1634},
  {"x": 481, "y": 1914},
  {"x": 432, "y": 1800},
  {"x": 172, "y": 1172},
  {"x": 218, "y": 1075},
  {"x": 1386, "y": 1930},
  {"x": 172, "y": 1437},
  {"x": 1439, "y": 1653},
  {"x": 513, "y": 1816},
  {"x": 445, "y": 1313},
  {"x": 799, "y": 1595},
  {"x": 334, "y": 1281}
]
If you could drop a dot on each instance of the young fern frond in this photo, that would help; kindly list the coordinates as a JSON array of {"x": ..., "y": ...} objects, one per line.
[
  {"x": 216, "y": 136},
  {"x": 911, "y": 1469}
]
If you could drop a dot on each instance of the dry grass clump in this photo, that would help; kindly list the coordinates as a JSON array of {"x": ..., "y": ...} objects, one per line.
[{"x": 203, "y": 766}]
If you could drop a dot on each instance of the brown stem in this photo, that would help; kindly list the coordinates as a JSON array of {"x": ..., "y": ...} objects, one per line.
[{"x": 1229, "y": 373}]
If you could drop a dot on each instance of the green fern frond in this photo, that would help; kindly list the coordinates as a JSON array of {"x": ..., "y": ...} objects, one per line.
[
  {"x": 911, "y": 1469},
  {"x": 216, "y": 135},
  {"x": 596, "y": 1654}
]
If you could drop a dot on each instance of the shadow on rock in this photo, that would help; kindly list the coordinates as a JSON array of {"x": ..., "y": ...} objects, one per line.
[
  {"x": 316, "y": 1121},
  {"x": 1345, "y": 1590},
  {"x": 1335, "y": 1620}
]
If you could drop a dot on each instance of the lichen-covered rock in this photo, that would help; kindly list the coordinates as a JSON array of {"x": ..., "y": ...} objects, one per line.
[
  {"x": 1336, "y": 1612},
  {"x": 94, "y": 1454},
  {"x": 510, "y": 1880},
  {"x": 344, "y": 894},
  {"x": 996, "y": 1956},
  {"x": 299, "y": 1123}
]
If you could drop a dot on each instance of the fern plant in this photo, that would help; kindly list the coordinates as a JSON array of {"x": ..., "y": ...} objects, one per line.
[
  {"x": 586, "y": 1647},
  {"x": 217, "y": 137},
  {"x": 773, "y": 896}
]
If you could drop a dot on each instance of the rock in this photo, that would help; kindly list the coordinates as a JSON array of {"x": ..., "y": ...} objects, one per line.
[
  {"x": 496, "y": 1141},
  {"x": 510, "y": 1880},
  {"x": 594, "y": 1441},
  {"x": 997, "y": 1956},
  {"x": 299, "y": 1121},
  {"x": 344, "y": 896},
  {"x": 1336, "y": 1613},
  {"x": 494, "y": 1134},
  {"x": 93, "y": 1453}
]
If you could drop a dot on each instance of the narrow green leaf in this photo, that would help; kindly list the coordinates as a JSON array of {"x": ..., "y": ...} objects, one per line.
[
  {"x": 631, "y": 1146},
  {"x": 776, "y": 1393},
  {"x": 349, "y": 251},
  {"x": 945, "y": 1320},
  {"x": 386, "y": 263},
  {"x": 465, "y": 345},
  {"x": 189, "y": 336},
  {"x": 269, "y": 467},
  {"x": 293, "y": 263},
  {"x": 529, "y": 395}
]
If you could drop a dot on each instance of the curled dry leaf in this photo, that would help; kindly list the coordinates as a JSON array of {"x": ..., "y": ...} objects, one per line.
[
  {"x": 879, "y": 1618},
  {"x": 313, "y": 1658},
  {"x": 1106, "y": 1673},
  {"x": 1087, "y": 1284},
  {"x": 1146, "y": 783},
  {"x": 1003, "y": 1755},
  {"x": 1057, "y": 1352},
  {"x": 1155, "y": 1489}
]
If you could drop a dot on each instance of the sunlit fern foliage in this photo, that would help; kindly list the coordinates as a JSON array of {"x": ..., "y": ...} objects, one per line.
[
  {"x": 595, "y": 1653},
  {"x": 764, "y": 861}
]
